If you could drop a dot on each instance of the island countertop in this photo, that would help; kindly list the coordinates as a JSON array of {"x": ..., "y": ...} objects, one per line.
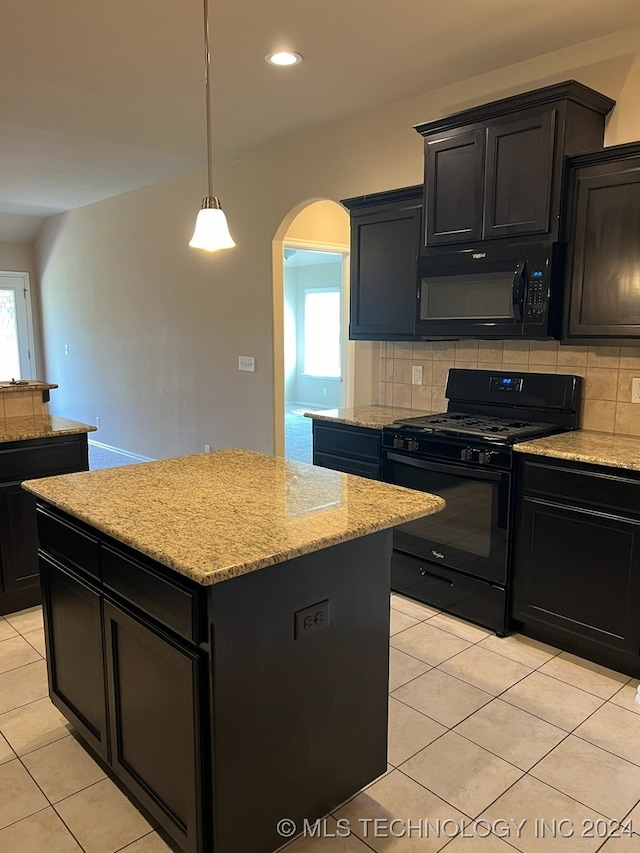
[
  {"x": 214, "y": 516},
  {"x": 589, "y": 446},
  {"x": 25, "y": 427}
]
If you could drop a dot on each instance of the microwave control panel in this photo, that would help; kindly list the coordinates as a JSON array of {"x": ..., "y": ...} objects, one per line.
[{"x": 536, "y": 296}]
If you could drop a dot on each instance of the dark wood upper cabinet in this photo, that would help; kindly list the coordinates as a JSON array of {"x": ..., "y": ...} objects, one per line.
[
  {"x": 518, "y": 173},
  {"x": 496, "y": 170},
  {"x": 603, "y": 271},
  {"x": 385, "y": 243},
  {"x": 454, "y": 200}
]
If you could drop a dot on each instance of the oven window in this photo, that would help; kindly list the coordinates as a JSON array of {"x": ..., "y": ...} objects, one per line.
[
  {"x": 470, "y": 533},
  {"x": 485, "y": 296},
  {"x": 464, "y": 524}
]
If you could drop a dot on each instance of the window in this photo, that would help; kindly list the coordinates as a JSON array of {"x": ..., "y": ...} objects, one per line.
[
  {"x": 322, "y": 332},
  {"x": 16, "y": 335}
]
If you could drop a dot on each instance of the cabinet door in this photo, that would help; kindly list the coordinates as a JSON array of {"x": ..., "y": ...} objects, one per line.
[
  {"x": 384, "y": 250},
  {"x": 18, "y": 539},
  {"x": 518, "y": 174},
  {"x": 155, "y": 697},
  {"x": 453, "y": 187},
  {"x": 73, "y": 633},
  {"x": 604, "y": 284},
  {"x": 579, "y": 571}
]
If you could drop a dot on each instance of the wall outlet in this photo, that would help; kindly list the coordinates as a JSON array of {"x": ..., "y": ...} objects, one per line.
[
  {"x": 66, "y": 349},
  {"x": 416, "y": 376},
  {"x": 97, "y": 421},
  {"x": 311, "y": 619},
  {"x": 207, "y": 448},
  {"x": 324, "y": 392},
  {"x": 247, "y": 362},
  {"x": 635, "y": 390}
]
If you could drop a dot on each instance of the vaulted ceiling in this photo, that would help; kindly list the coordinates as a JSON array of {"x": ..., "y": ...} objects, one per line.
[{"x": 97, "y": 98}]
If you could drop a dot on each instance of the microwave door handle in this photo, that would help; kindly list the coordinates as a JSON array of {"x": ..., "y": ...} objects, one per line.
[{"x": 517, "y": 290}]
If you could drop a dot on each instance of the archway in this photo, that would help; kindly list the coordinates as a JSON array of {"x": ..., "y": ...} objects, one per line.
[{"x": 315, "y": 226}]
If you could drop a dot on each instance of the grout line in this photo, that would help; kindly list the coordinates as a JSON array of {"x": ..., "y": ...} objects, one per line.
[
  {"x": 562, "y": 681},
  {"x": 26, "y": 817},
  {"x": 25, "y": 704}
]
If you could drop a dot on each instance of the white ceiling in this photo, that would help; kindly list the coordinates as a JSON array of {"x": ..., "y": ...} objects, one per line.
[{"x": 97, "y": 98}]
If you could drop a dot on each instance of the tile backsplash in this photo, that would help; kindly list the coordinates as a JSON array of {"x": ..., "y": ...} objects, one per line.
[
  {"x": 19, "y": 404},
  {"x": 607, "y": 373}
]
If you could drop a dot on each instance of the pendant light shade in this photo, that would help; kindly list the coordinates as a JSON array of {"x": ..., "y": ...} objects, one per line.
[{"x": 211, "y": 232}]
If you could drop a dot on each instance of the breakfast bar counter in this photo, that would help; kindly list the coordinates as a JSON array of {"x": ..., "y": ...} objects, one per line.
[{"x": 217, "y": 631}]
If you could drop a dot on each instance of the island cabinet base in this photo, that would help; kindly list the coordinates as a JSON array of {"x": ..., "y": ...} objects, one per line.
[{"x": 222, "y": 709}]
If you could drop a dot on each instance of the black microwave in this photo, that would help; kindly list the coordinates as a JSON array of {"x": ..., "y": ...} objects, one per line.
[{"x": 510, "y": 290}]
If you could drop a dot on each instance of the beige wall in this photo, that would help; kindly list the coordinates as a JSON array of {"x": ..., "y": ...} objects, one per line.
[{"x": 155, "y": 328}]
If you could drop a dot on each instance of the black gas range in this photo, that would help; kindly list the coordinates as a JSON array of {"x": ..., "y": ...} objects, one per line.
[{"x": 458, "y": 559}]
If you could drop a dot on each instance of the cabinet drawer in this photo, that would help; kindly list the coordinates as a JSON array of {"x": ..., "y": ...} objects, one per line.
[
  {"x": 448, "y": 590},
  {"x": 33, "y": 459},
  {"x": 169, "y": 602},
  {"x": 352, "y": 441},
  {"x": 348, "y": 465},
  {"x": 68, "y": 541},
  {"x": 586, "y": 488}
]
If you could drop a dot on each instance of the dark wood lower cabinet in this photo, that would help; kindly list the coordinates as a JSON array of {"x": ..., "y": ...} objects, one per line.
[
  {"x": 155, "y": 705},
  {"x": 73, "y": 635},
  {"x": 347, "y": 448},
  {"x": 18, "y": 537},
  {"x": 21, "y": 460},
  {"x": 576, "y": 579}
]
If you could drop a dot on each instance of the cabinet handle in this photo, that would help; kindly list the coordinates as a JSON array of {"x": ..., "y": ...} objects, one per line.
[
  {"x": 517, "y": 290},
  {"x": 448, "y": 581}
]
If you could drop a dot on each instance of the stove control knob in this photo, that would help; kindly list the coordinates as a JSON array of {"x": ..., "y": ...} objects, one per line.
[
  {"x": 412, "y": 444},
  {"x": 398, "y": 442},
  {"x": 466, "y": 454},
  {"x": 484, "y": 457}
]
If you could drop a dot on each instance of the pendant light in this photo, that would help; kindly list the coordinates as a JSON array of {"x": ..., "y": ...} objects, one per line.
[{"x": 211, "y": 232}]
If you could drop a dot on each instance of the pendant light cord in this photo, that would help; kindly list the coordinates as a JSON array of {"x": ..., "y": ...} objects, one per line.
[{"x": 207, "y": 79}]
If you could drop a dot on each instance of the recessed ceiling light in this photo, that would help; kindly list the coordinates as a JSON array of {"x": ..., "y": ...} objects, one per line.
[{"x": 283, "y": 57}]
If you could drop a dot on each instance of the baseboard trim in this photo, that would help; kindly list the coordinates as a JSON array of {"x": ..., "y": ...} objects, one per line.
[{"x": 120, "y": 452}]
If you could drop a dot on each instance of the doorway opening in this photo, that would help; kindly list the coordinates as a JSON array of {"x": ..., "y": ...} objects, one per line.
[
  {"x": 313, "y": 358},
  {"x": 17, "y": 355}
]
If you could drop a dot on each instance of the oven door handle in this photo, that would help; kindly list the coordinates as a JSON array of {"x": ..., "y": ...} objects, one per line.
[
  {"x": 517, "y": 290},
  {"x": 438, "y": 468}
]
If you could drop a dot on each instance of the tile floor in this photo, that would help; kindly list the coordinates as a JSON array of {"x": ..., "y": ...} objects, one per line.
[{"x": 488, "y": 738}]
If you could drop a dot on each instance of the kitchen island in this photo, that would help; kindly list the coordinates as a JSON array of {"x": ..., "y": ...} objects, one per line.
[
  {"x": 32, "y": 444},
  {"x": 217, "y": 631}
]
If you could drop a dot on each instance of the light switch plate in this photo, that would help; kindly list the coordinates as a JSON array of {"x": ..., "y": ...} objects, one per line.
[{"x": 247, "y": 362}]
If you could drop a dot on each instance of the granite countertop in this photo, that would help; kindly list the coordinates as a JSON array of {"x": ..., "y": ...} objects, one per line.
[
  {"x": 30, "y": 385},
  {"x": 214, "y": 516},
  {"x": 39, "y": 426},
  {"x": 595, "y": 448},
  {"x": 373, "y": 417}
]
